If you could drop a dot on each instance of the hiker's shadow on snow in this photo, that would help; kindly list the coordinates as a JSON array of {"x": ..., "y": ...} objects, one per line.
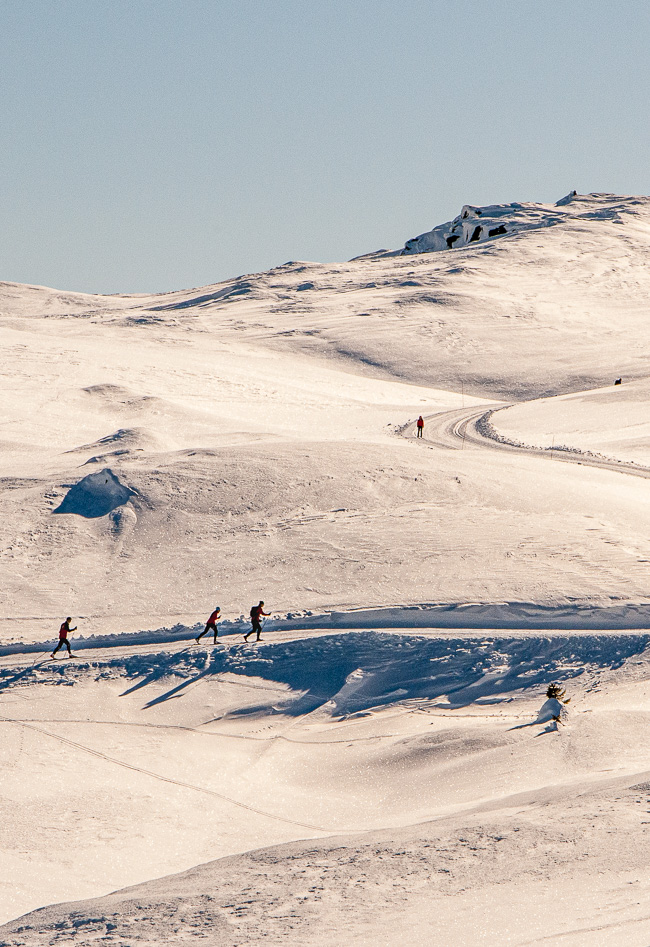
[
  {"x": 154, "y": 668},
  {"x": 174, "y": 692},
  {"x": 21, "y": 675},
  {"x": 552, "y": 726},
  {"x": 357, "y": 671}
]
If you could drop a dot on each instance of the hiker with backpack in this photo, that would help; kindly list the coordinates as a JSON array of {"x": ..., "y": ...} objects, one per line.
[{"x": 257, "y": 611}]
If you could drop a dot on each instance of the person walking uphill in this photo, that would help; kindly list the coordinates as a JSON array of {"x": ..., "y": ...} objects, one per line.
[
  {"x": 211, "y": 625},
  {"x": 256, "y": 620},
  {"x": 420, "y": 425},
  {"x": 64, "y": 631}
]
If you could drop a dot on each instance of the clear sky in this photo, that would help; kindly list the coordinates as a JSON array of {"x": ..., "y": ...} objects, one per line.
[{"x": 162, "y": 144}]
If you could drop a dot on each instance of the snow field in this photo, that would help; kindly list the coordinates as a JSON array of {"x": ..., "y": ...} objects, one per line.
[
  {"x": 120, "y": 768},
  {"x": 165, "y": 454},
  {"x": 611, "y": 421}
]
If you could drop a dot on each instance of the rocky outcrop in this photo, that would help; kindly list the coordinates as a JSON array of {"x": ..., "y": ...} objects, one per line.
[{"x": 478, "y": 224}]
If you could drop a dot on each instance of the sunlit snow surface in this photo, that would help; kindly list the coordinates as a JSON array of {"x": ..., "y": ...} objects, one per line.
[
  {"x": 435, "y": 789},
  {"x": 382, "y": 768}
]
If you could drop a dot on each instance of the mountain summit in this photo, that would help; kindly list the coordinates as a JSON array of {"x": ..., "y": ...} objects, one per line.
[{"x": 479, "y": 224}]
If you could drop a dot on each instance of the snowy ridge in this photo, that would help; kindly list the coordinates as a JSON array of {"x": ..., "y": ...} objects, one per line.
[{"x": 481, "y": 224}]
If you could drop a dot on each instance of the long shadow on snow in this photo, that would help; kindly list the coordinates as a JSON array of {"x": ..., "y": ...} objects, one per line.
[
  {"x": 9, "y": 678},
  {"x": 356, "y": 671}
]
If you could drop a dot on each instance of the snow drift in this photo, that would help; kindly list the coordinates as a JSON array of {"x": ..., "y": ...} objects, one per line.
[{"x": 96, "y": 495}]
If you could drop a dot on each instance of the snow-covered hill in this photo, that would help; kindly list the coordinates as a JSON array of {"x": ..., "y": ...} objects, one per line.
[
  {"x": 478, "y": 224},
  {"x": 162, "y": 454},
  {"x": 252, "y": 425},
  {"x": 556, "y": 306},
  {"x": 612, "y": 421}
]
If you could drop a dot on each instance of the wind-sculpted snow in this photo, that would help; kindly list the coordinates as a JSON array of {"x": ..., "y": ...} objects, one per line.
[
  {"x": 432, "y": 758},
  {"x": 96, "y": 495},
  {"x": 348, "y": 673},
  {"x": 238, "y": 289}
]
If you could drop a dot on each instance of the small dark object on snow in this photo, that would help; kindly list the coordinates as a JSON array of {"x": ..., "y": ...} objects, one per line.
[
  {"x": 618, "y": 381},
  {"x": 557, "y": 692}
]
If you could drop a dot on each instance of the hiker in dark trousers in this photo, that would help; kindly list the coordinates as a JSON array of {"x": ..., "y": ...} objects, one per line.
[
  {"x": 420, "y": 425},
  {"x": 64, "y": 631},
  {"x": 256, "y": 620},
  {"x": 211, "y": 625}
]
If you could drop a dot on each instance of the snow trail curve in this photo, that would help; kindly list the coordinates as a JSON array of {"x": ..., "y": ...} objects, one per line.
[{"x": 462, "y": 427}]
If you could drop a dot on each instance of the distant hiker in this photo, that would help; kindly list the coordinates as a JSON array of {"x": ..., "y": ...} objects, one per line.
[
  {"x": 420, "y": 424},
  {"x": 211, "y": 625},
  {"x": 64, "y": 631},
  {"x": 256, "y": 620}
]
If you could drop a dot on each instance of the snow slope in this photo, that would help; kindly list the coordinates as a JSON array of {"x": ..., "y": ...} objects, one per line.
[
  {"x": 230, "y": 413},
  {"x": 471, "y": 814},
  {"x": 611, "y": 421},
  {"x": 378, "y": 765}
]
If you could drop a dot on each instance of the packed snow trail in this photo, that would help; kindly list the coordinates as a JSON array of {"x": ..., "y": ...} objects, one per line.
[{"x": 454, "y": 429}]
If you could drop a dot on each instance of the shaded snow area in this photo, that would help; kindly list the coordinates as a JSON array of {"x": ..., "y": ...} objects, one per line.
[
  {"x": 437, "y": 791},
  {"x": 95, "y": 495},
  {"x": 389, "y": 764}
]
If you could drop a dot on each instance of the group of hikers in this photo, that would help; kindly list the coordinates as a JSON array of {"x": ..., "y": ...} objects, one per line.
[{"x": 257, "y": 613}]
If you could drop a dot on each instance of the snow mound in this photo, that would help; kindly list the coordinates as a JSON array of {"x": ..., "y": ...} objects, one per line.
[
  {"x": 479, "y": 224},
  {"x": 238, "y": 288},
  {"x": 119, "y": 396},
  {"x": 552, "y": 709},
  {"x": 122, "y": 441},
  {"x": 96, "y": 495}
]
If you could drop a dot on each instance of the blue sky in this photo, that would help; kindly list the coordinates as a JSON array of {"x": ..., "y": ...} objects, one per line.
[{"x": 161, "y": 144}]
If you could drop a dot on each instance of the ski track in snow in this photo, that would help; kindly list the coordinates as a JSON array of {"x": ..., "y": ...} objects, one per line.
[{"x": 455, "y": 429}]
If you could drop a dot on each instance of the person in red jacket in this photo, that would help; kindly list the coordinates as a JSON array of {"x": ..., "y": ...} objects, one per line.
[
  {"x": 420, "y": 425},
  {"x": 256, "y": 620},
  {"x": 212, "y": 624},
  {"x": 64, "y": 631}
]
